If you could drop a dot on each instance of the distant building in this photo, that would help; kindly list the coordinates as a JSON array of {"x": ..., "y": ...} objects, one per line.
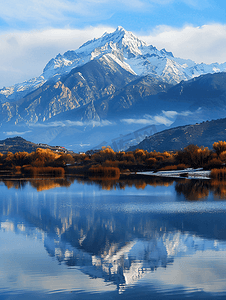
[{"x": 44, "y": 145}]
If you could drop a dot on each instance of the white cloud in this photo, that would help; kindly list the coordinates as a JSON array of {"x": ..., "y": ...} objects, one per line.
[
  {"x": 152, "y": 120},
  {"x": 15, "y": 133},
  {"x": 165, "y": 118},
  {"x": 72, "y": 123},
  {"x": 202, "y": 44},
  {"x": 139, "y": 121},
  {"x": 172, "y": 114},
  {"x": 23, "y": 55},
  {"x": 162, "y": 120}
]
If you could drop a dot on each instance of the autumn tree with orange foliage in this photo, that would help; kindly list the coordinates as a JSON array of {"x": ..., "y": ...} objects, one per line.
[
  {"x": 194, "y": 156},
  {"x": 43, "y": 157},
  {"x": 21, "y": 158},
  {"x": 115, "y": 162},
  {"x": 219, "y": 147}
]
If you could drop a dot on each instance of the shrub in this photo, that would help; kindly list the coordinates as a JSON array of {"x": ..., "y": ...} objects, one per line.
[
  {"x": 110, "y": 163},
  {"x": 222, "y": 156},
  {"x": 168, "y": 168},
  {"x": 151, "y": 161},
  {"x": 213, "y": 163},
  {"x": 104, "y": 171},
  {"x": 50, "y": 171},
  {"x": 219, "y": 147},
  {"x": 160, "y": 157},
  {"x": 17, "y": 169},
  {"x": 182, "y": 167}
]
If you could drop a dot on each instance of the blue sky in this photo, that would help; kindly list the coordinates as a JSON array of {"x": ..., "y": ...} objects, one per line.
[{"x": 34, "y": 31}]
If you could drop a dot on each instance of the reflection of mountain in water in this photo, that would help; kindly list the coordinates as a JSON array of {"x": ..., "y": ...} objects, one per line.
[
  {"x": 111, "y": 244},
  {"x": 125, "y": 266}
]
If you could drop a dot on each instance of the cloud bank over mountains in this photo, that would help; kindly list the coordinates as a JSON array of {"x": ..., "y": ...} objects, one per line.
[{"x": 202, "y": 44}]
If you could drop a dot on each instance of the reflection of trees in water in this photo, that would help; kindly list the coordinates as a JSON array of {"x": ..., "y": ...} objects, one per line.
[
  {"x": 193, "y": 189},
  {"x": 16, "y": 184},
  {"x": 219, "y": 188},
  {"x": 199, "y": 189},
  {"x": 46, "y": 183},
  {"x": 40, "y": 184},
  {"x": 140, "y": 182}
]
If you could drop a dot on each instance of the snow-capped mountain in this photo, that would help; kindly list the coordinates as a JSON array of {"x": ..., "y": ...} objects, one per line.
[
  {"x": 133, "y": 55},
  {"x": 126, "y": 50},
  {"x": 116, "y": 83}
]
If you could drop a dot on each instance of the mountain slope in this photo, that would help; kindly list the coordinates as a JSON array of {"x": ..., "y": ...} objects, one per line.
[
  {"x": 133, "y": 99},
  {"x": 95, "y": 80},
  {"x": 209, "y": 86},
  {"x": 103, "y": 104},
  {"x": 201, "y": 98},
  {"x": 203, "y": 134}
]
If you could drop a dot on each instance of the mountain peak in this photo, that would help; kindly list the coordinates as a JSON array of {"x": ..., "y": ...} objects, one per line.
[
  {"x": 120, "y": 28},
  {"x": 120, "y": 31},
  {"x": 120, "y": 39},
  {"x": 128, "y": 37}
]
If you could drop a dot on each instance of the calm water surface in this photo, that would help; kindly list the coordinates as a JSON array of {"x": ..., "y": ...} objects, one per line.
[{"x": 149, "y": 239}]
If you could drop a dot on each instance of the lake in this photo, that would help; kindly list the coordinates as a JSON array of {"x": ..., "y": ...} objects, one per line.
[{"x": 149, "y": 238}]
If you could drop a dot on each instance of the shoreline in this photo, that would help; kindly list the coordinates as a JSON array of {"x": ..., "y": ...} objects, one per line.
[{"x": 186, "y": 173}]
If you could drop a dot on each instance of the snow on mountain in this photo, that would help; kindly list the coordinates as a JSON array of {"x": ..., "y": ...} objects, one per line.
[
  {"x": 20, "y": 90},
  {"x": 120, "y": 45},
  {"x": 125, "y": 49}
]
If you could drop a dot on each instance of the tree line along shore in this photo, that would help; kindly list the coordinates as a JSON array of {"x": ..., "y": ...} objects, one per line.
[{"x": 110, "y": 164}]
